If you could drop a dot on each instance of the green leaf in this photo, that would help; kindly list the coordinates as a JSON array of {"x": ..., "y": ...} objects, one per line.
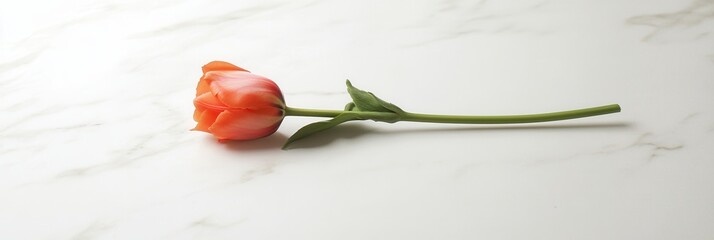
[
  {"x": 368, "y": 102},
  {"x": 351, "y": 107},
  {"x": 316, "y": 127}
]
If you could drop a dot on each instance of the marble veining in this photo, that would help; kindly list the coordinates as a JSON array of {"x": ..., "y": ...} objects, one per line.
[
  {"x": 655, "y": 148},
  {"x": 688, "y": 22},
  {"x": 92, "y": 231},
  {"x": 658, "y": 144},
  {"x": 96, "y": 107},
  {"x": 467, "y": 18}
]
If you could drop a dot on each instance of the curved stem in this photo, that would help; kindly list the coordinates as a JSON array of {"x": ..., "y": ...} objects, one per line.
[
  {"x": 529, "y": 118},
  {"x": 433, "y": 118}
]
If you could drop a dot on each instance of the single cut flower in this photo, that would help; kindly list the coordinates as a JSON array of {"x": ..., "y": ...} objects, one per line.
[{"x": 234, "y": 104}]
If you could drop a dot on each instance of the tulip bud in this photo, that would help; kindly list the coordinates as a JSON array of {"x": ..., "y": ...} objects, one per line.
[{"x": 234, "y": 104}]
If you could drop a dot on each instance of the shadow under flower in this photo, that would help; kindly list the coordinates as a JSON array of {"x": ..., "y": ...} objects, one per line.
[
  {"x": 272, "y": 142},
  {"x": 354, "y": 130}
]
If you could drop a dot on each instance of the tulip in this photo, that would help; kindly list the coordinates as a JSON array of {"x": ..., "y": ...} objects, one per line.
[{"x": 234, "y": 104}]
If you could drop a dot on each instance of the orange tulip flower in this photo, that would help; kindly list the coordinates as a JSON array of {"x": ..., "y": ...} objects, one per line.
[{"x": 234, "y": 104}]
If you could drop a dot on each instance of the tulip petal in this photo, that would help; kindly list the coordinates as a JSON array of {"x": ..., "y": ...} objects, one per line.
[
  {"x": 209, "y": 101},
  {"x": 244, "y": 90},
  {"x": 251, "y": 99},
  {"x": 246, "y": 124},
  {"x": 202, "y": 86},
  {"x": 205, "y": 121},
  {"x": 221, "y": 66},
  {"x": 197, "y": 114}
]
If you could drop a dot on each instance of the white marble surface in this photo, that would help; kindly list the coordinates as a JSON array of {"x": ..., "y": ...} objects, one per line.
[{"x": 96, "y": 103}]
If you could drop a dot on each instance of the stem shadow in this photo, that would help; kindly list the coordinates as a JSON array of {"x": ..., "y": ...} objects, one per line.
[
  {"x": 272, "y": 142},
  {"x": 356, "y": 129}
]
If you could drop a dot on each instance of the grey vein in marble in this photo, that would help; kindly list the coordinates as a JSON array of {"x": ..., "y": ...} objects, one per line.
[
  {"x": 478, "y": 17},
  {"x": 210, "y": 20},
  {"x": 697, "y": 13},
  {"x": 656, "y": 148},
  {"x": 266, "y": 169},
  {"x": 93, "y": 231},
  {"x": 208, "y": 222}
]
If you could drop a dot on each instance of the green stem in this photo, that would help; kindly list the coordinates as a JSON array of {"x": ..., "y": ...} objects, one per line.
[
  {"x": 418, "y": 117},
  {"x": 306, "y": 112}
]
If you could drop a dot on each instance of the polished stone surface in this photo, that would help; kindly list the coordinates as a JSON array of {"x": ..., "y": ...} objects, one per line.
[{"x": 96, "y": 104}]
